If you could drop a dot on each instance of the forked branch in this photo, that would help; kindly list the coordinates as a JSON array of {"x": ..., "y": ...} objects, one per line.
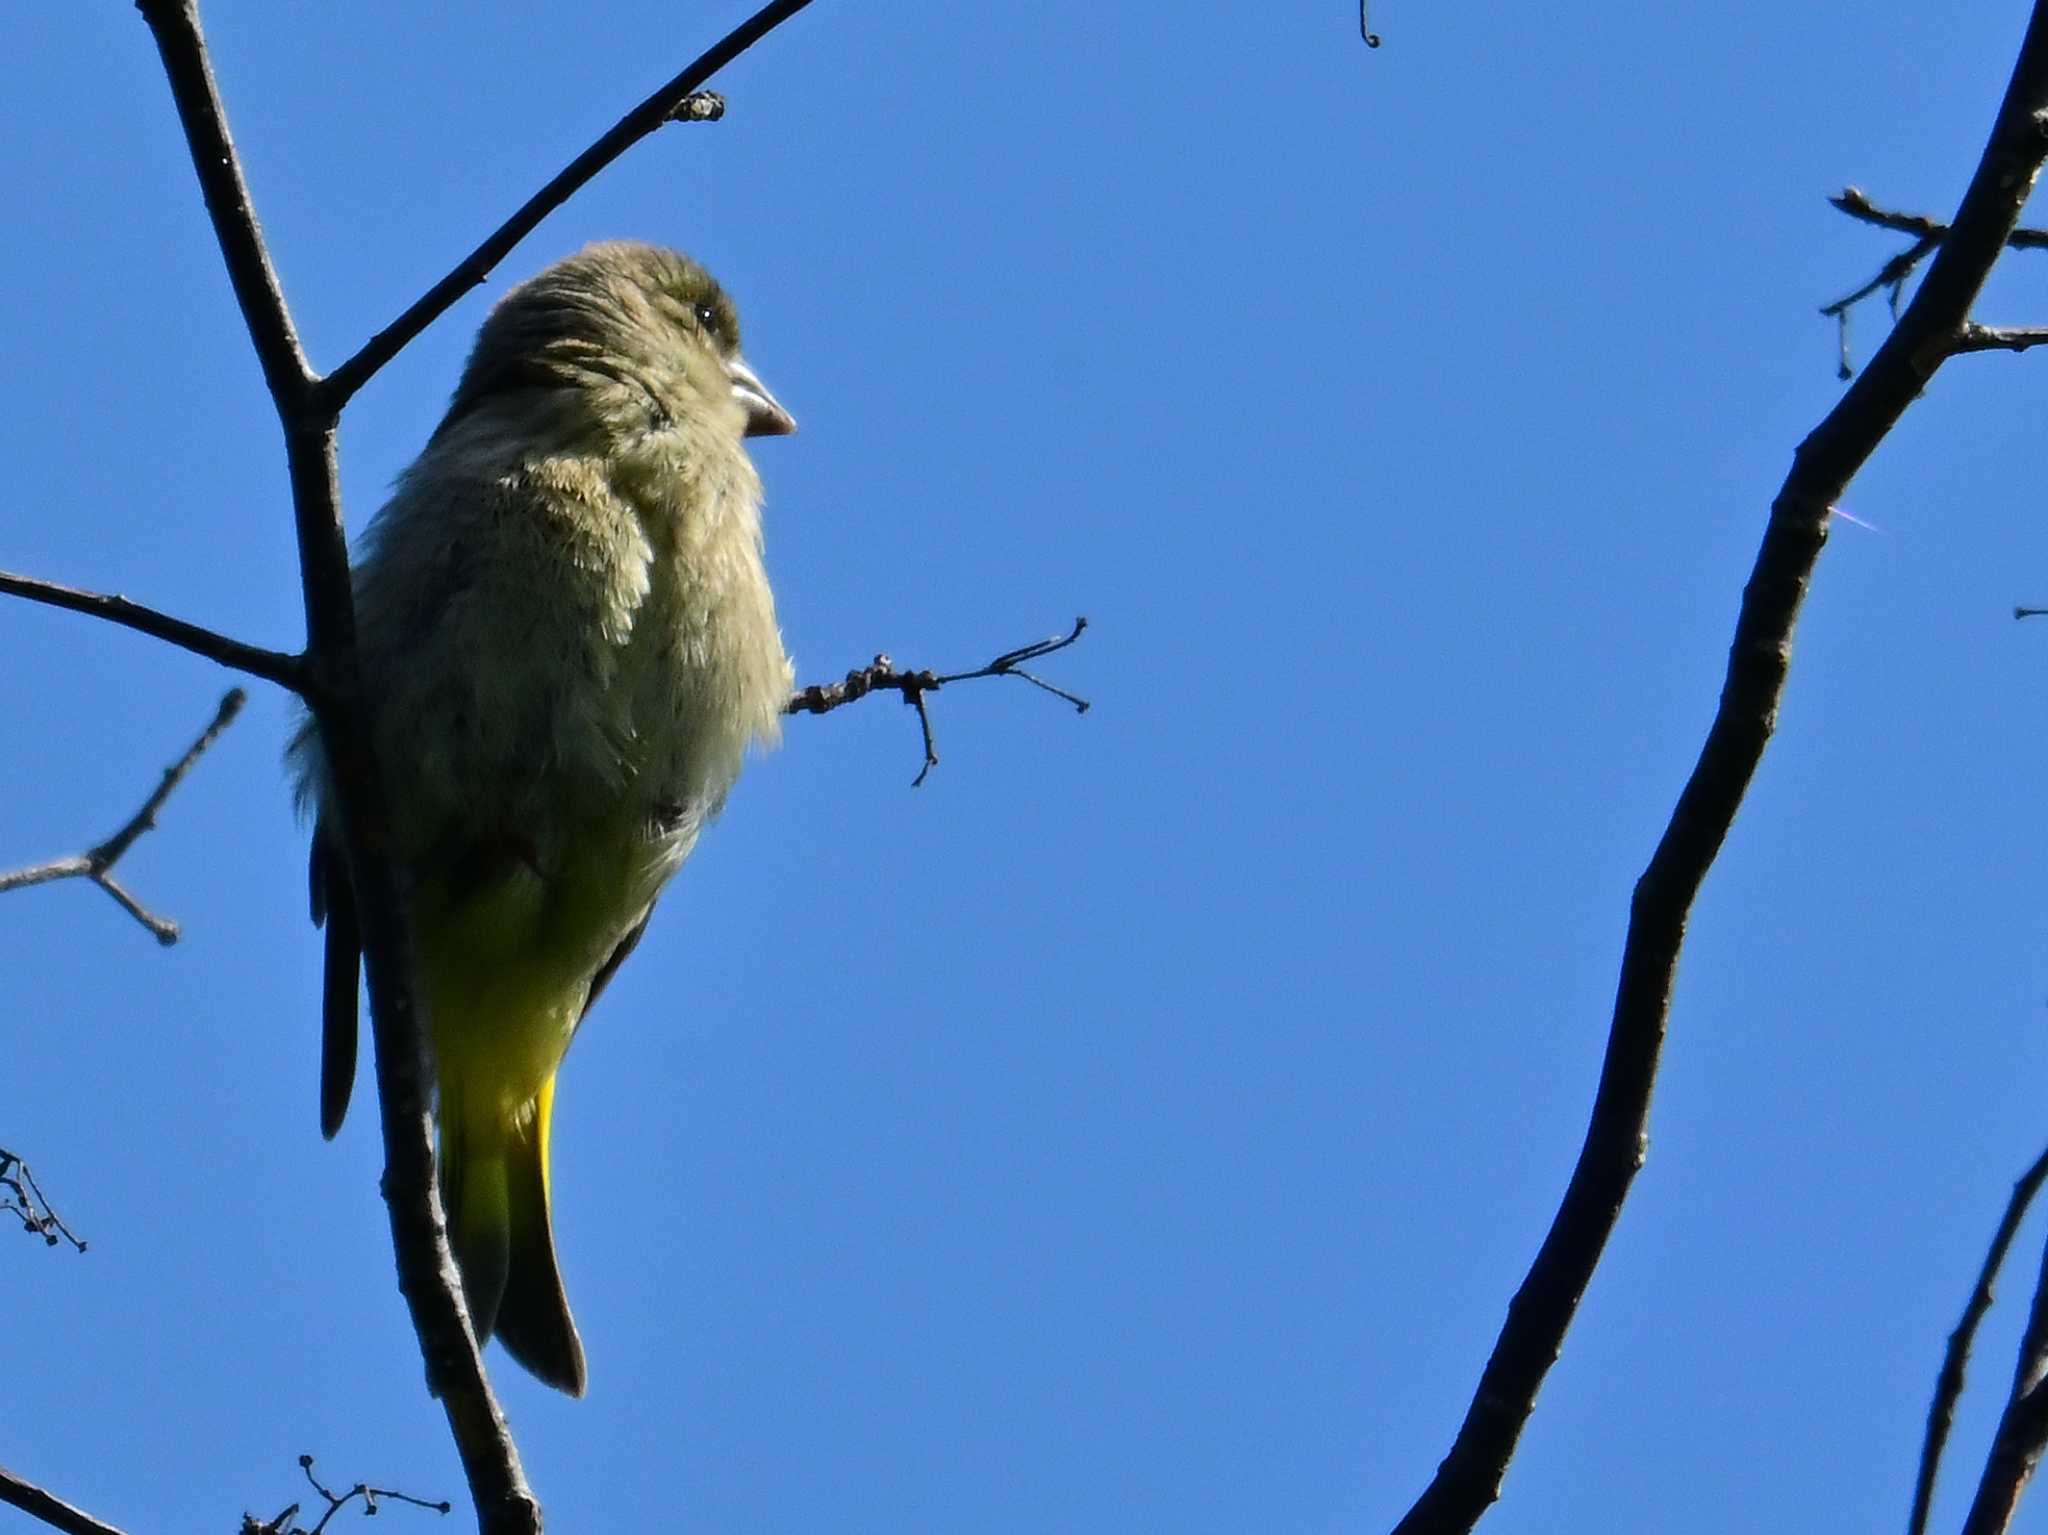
[{"x": 97, "y": 863}]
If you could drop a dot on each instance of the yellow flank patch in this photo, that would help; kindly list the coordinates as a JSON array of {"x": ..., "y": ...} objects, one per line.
[{"x": 506, "y": 963}]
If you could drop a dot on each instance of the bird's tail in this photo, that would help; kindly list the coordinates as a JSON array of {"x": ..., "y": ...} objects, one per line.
[{"x": 494, "y": 1185}]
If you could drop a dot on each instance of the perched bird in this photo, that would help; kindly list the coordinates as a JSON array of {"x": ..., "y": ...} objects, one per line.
[{"x": 567, "y": 644}]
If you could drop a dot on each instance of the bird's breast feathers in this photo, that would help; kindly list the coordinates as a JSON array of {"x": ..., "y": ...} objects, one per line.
[{"x": 575, "y": 635}]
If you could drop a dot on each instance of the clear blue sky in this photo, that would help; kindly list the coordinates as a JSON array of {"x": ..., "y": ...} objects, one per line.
[{"x": 1143, "y": 1125}]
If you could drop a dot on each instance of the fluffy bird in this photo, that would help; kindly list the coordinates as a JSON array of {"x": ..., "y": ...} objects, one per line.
[{"x": 567, "y": 643}]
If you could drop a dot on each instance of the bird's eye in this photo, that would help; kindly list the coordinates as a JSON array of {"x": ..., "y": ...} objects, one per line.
[{"x": 708, "y": 318}]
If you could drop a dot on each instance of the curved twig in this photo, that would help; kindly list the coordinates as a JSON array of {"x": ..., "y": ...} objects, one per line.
[{"x": 1948, "y": 1389}]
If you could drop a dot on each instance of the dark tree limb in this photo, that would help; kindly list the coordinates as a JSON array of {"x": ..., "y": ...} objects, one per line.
[
  {"x": 426, "y": 1268},
  {"x": 1948, "y": 1389},
  {"x": 1928, "y": 332},
  {"x": 53, "y": 1511},
  {"x": 882, "y": 675},
  {"x": 97, "y": 863}
]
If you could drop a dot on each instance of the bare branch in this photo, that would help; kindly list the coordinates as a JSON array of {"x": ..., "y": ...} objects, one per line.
[
  {"x": 882, "y": 675},
  {"x": 55, "y": 1512},
  {"x": 1469, "y": 1478},
  {"x": 670, "y": 103},
  {"x": 96, "y": 863},
  {"x": 1941, "y": 1412},
  {"x": 26, "y": 1202},
  {"x": 286, "y": 671}
]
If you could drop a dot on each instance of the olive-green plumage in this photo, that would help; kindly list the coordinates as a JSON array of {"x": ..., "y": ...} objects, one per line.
[{"x": 567, "y": 645}]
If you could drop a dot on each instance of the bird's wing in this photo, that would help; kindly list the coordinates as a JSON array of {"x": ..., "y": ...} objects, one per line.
[{"x": 610, "y": 967}]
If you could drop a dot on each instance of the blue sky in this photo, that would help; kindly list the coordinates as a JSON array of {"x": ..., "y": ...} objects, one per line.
[{"x": 1143, "y": 1125}]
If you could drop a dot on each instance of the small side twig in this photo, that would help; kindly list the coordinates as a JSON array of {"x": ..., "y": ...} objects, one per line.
[
  {"x": 2000, "y": 338},
  {"x": 271, "y": 665},
  {"x": 883, "y": 675},
  {"x": 284, "y": 1523},
  {"x": 1928, "y": 234},
  {"x": 97, "y": 863},
  {"x": 1948, "y": 1389},
  {"x": 25, "y": 1200}
]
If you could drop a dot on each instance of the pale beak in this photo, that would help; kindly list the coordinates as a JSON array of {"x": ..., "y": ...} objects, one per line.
[{"x": 765, "y": 415}]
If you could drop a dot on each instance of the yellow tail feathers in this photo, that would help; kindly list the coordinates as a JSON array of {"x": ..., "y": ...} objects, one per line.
[{"x": 494, "y": 1184}]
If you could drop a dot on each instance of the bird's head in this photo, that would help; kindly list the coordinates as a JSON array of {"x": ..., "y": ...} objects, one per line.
[{"x": 625, "y": 332}]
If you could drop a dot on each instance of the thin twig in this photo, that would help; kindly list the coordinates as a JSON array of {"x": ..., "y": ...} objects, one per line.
[
  {"x": 27, "y": 1202},
  {"x": 271, "y": 665},
  {"x": 663, "y": 106},
  {"x": 882, "y": 675},
  {"x": 1469, "y": 1478},
  {"x": 53, "y": 1511},
  {"x": 285, "y": 1522},
  {"x": 96, "y": 863},
  {"x": 1948, "y": 1389},
  {"x": 1852, "y": 201}
]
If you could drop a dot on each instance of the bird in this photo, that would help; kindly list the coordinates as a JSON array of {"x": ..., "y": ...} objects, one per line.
[{"x": 567, "y": 645}]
